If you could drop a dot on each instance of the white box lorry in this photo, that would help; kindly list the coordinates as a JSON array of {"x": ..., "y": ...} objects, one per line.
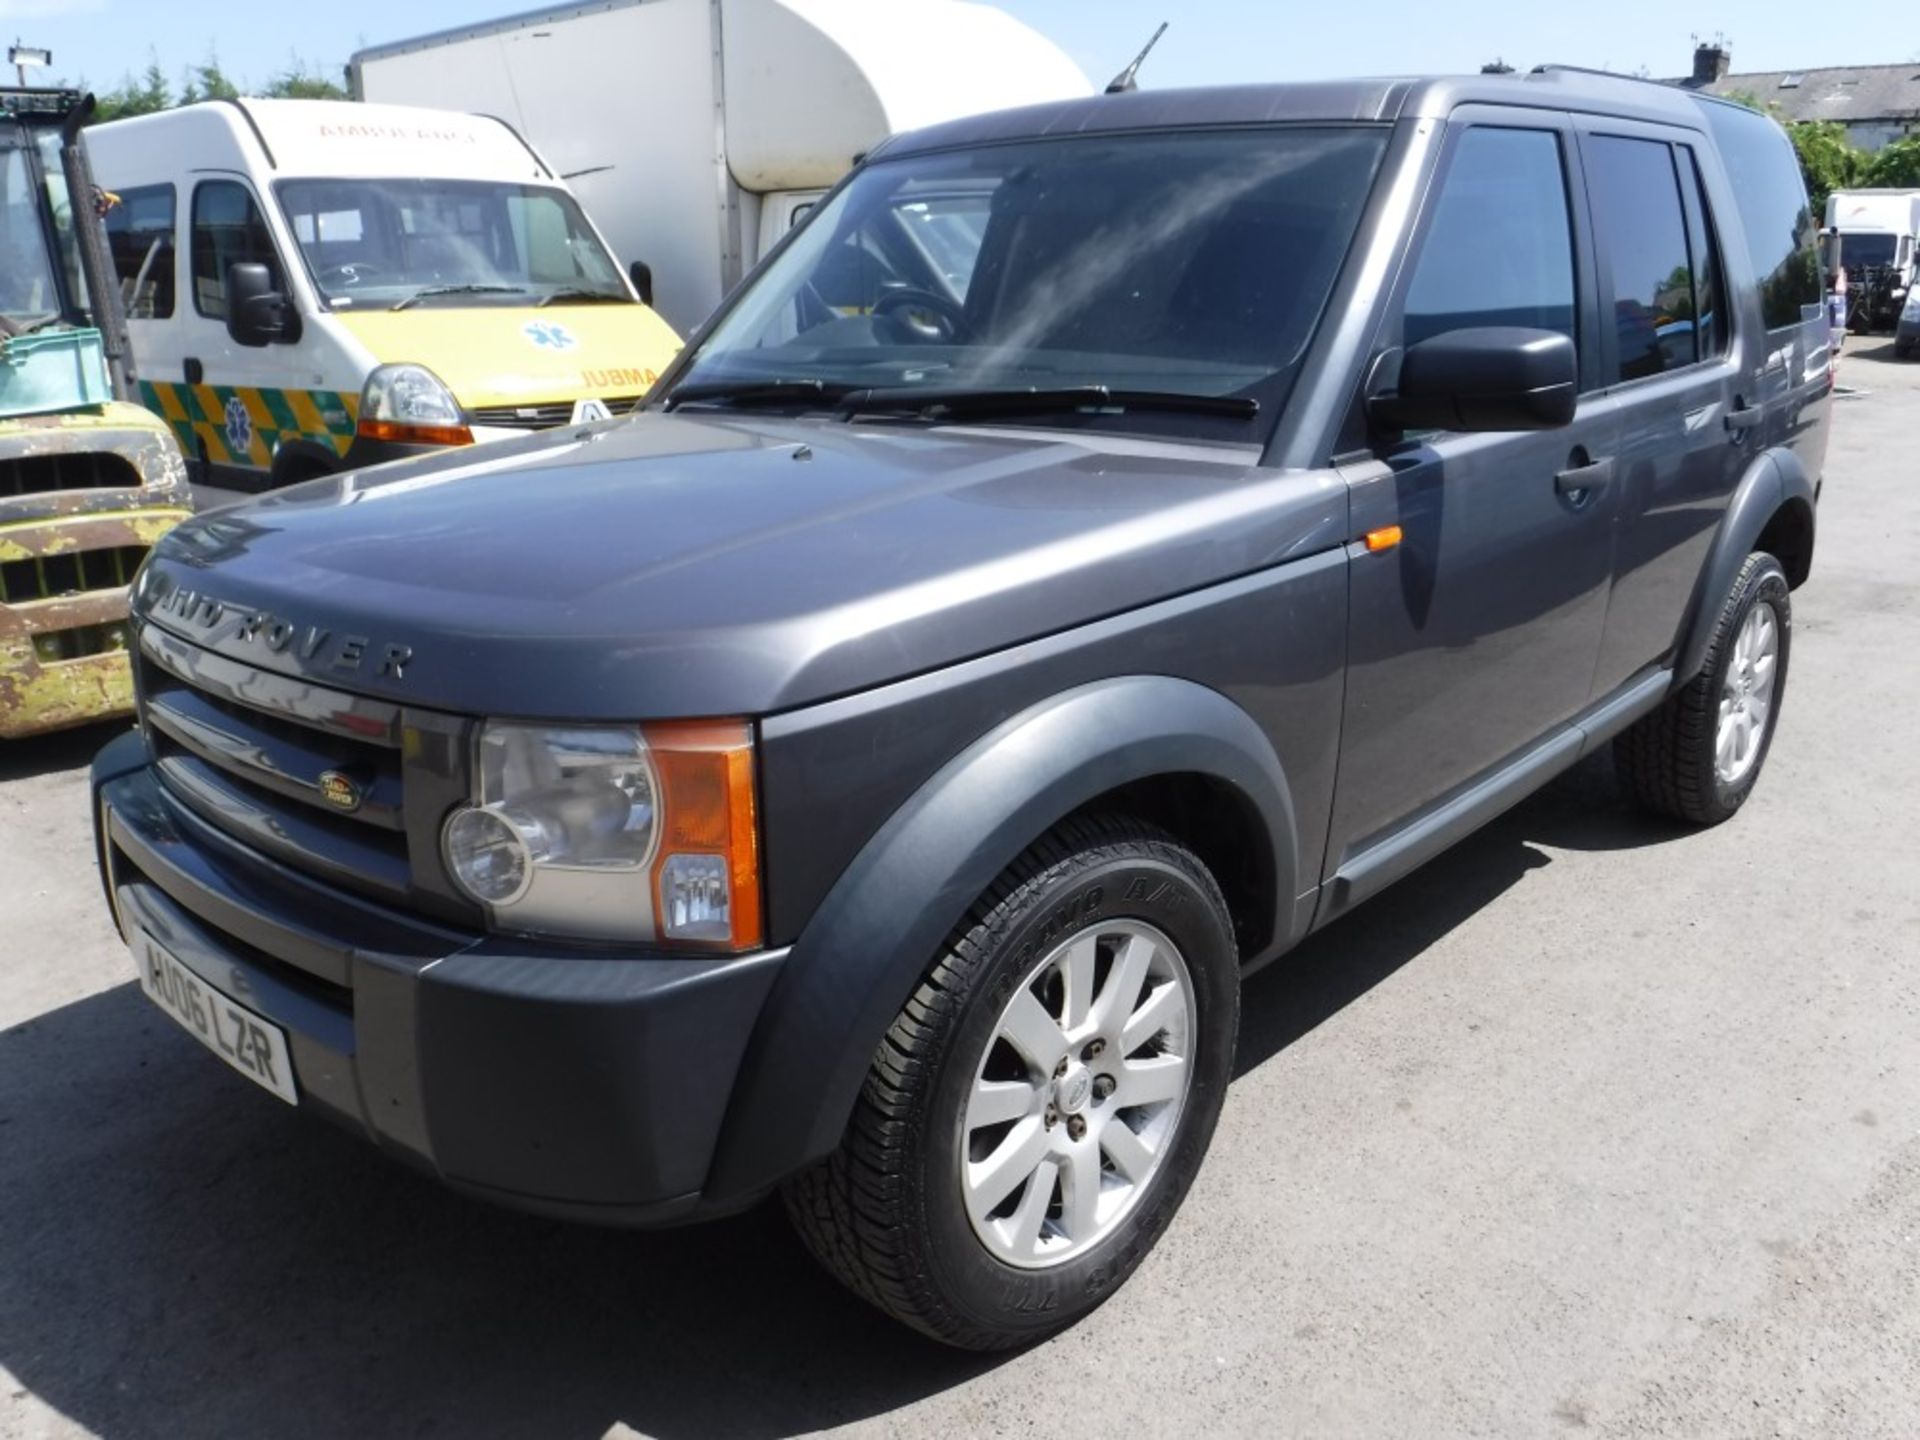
[
  {"x": 697, "y": 131},
  {"x": 1878, "y": 232}
]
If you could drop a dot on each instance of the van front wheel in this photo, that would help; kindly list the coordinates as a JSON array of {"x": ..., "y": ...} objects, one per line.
[{"x": 1033, "y": 1118}]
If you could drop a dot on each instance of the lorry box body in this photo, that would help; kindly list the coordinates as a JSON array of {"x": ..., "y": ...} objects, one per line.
[
  {"x": 697, "y": 131},
  {"x": 428, "y": 262}
]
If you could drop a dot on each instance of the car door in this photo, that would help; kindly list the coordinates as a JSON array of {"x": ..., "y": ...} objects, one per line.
[
  {"x": 1687, "y": 403},
  {"x": 236, "y": 392},
  {"x": 1475, "y": 634}
]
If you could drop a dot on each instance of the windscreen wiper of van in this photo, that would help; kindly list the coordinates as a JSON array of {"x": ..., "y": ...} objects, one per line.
[
  {"x": 760, "y": 392},
  {"x": 432, "y": 290},
  {"x": 574, "y": 295},
  {"x": 1033, "y": 400}
]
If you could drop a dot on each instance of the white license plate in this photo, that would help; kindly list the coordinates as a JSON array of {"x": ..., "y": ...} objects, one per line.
[{"x": 254, "y": 1046}]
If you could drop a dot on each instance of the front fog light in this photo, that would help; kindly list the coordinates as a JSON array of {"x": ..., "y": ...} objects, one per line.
[{"x": 488, "y": 857}]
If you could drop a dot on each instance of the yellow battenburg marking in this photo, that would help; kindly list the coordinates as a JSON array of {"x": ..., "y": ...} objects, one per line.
[{"x": 307, "y": 413}]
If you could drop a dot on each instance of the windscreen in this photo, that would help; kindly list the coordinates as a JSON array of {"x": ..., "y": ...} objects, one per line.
[
  {"x": 380, "y": 243},
  {"x": 28, "y": 294},
  {"x": 1858, "y": 250},
  {"x": 1187, "y": 262}
]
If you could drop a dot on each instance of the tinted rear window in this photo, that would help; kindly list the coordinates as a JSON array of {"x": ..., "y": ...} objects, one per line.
[{"x": 1781, "y": 234}]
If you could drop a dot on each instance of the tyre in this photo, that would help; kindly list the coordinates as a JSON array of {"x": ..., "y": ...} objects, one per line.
[
  {"x": 1034, "y": 1116},
  {"x": 1699, "y": 755}
]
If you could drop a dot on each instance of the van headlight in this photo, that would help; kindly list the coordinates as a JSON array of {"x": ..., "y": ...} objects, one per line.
[
  {"x": 613, "y": 832},
  {"x": 410, "y": 403}
]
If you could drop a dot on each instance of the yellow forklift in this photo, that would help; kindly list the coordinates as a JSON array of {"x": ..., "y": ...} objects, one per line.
[{"x": 88, "y": 478}]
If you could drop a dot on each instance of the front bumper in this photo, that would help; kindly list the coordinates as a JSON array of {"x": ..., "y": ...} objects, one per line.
[{"x": 586, "y": 1086}]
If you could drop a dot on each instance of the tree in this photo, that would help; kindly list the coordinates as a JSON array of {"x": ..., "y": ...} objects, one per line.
[
  {"x": 136, "y": 97},
  {"x": 301, "y": 81},
  {"x": 1897, "y": 166},
  {"x": 1827, "y": 159},
  {"x": 207, "y": 81}
]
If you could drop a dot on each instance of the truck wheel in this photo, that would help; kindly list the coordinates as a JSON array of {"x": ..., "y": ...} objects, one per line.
[
  {"x": 1697, "y": 757},
  {"x": 1036, "y": 1113}
]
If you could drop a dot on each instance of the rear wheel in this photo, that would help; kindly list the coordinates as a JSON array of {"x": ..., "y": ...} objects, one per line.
[
  {"x": 1699, "y": 755},
  {"x": 1036, "y": 1113}
]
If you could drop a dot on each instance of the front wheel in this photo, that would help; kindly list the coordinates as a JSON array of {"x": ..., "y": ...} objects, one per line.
[
  {"x": 1034, "y": 1116},
  {"x": 1699, "y": 755}
]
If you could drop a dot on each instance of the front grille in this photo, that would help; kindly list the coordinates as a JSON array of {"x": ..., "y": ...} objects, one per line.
[
  {"x": 308, "y": 776},
  {"x": 69, "y": 572},
  {"x": 67, "y": 470},
  {"x": 543, "y": 415}
]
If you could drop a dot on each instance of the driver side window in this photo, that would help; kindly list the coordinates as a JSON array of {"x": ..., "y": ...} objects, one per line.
[
  {"x": 1499, "y": 249},
  {"x": 228, "y": 230}
]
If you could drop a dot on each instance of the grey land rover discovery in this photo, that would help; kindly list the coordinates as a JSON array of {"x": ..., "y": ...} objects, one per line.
[{"x": 1102, "y": 545}]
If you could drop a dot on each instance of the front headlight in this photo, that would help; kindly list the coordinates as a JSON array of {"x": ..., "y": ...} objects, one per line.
[
  {"x": 410, "y": 403},
  {"x": 613, "y": 832}
]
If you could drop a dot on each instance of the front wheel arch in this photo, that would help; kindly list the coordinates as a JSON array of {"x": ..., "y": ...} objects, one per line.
[{"x": 886, "y": 920}]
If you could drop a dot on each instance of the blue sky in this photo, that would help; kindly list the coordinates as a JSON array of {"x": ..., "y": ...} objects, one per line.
[{"x": 1211, "y": 41}]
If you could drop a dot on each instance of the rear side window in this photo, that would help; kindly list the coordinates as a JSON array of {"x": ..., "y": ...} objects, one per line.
[
  {"x": 140, "y": 235},
  {"x": 1642, "y": 231},
  {"x": 1499, "y": 250},
  {"x": 227, "y": 230},
  {"x": 1781, "y": 235},
  {"x": 1711, "y": 317}
]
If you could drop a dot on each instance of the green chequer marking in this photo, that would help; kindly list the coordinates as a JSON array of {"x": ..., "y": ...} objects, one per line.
[{"x": 197, "y": 415}]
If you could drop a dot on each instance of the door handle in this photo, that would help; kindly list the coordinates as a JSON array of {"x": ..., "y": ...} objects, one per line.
[
  {"x": 1740, "y": 419},
  {"x": 1580, "y": 484}
]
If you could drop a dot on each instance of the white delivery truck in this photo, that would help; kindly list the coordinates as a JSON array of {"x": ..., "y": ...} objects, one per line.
[
  {"x": 697, "y": 131},
  {"x": 1878, "y": 231},
  {"x": 312, "y": 285}
]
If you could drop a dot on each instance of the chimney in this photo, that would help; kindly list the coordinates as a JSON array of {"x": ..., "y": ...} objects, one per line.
[{"x": 1711, "y": 63}]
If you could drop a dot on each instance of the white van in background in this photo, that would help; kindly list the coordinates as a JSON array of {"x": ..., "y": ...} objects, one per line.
[
  {"x": 316, "y": 285},
  {"x": 698, "y": 131}
]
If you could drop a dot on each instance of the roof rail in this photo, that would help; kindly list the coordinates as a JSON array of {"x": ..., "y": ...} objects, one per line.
[{"x": 1604, "y": 74}]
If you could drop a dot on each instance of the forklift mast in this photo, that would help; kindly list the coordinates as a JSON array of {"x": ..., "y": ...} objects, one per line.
[{"x": 52, "y": 120}]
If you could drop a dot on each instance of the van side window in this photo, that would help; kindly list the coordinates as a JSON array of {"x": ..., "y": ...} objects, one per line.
[
  {"x": 1781, "y": 234},
  {"x": 228, "y": 229},
  {"x": 1643, "y": 235},
  {"x": 140, "y": 236},
  {"x": 1499, "y": 250},
  {"x": 1712, "y": 319}
]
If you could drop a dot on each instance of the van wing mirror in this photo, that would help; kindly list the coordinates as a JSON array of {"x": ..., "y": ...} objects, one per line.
[
  {"x": 257, "y": 314},
  {"x": 1491, "y": 378},
  {"x": 641, "y": 274}
]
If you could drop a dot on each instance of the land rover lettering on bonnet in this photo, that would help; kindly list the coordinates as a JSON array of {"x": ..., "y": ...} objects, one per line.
[
  {"x": 314, "y": 645},
  {"x": 1105, "y": 543}
]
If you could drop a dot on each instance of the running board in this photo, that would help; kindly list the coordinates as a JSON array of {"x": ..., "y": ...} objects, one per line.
[{"x": 1373, "y": 869}]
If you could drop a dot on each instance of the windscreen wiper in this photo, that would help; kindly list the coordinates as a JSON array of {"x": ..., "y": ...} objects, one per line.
[
  {"x": 758, "y": 392},
  {"x": 576, "y": 296},
  {"x": 431, "y": 290},
  {"x": 1033, "y": 400}
]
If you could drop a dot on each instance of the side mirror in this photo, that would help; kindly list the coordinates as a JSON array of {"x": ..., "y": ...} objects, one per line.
[
  {"x": 641, "y": 274},
  {"x": 1494, "y": 378},
  {"x": 1830, "y": 251},
  {"x": 257, "y": 314}
]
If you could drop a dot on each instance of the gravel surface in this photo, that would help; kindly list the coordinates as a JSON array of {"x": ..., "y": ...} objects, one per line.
[{"x": 1592, "y": 1126}]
